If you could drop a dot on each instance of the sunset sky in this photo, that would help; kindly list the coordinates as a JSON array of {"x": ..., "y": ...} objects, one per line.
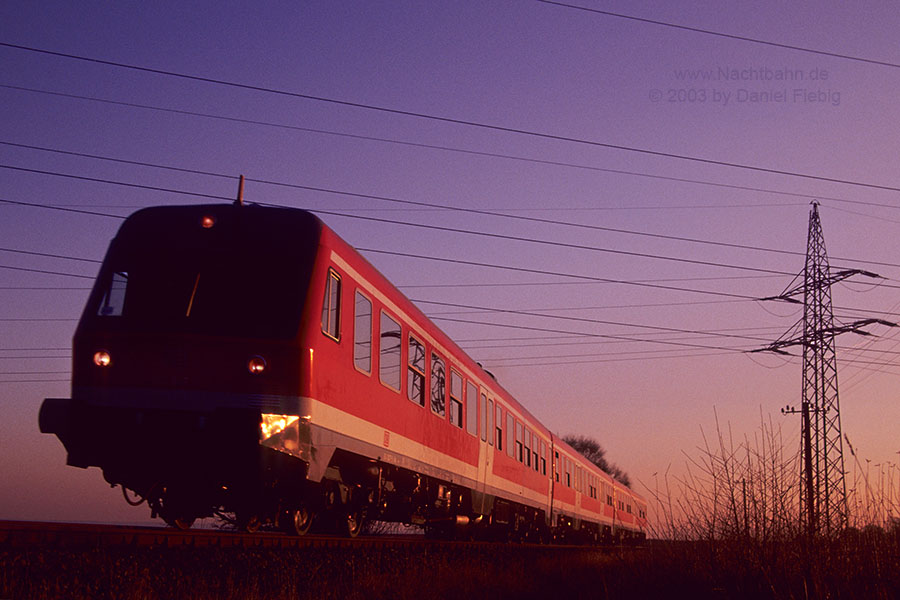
[{"x": 631, "y": 176}]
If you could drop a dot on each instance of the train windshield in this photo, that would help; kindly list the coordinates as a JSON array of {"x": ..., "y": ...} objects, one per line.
[{"x": 209, "y": 291}]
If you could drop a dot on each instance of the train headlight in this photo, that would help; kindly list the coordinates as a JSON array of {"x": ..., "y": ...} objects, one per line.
[
  {"x": 270, "y": 424},
  {"x": 257, "y": 365},
  {"x": 102, "y": 358},
  {"x": 207, "y": 221}
]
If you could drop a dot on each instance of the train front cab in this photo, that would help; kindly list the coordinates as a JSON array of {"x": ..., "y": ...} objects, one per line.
[{"x": 188, "y": 337}]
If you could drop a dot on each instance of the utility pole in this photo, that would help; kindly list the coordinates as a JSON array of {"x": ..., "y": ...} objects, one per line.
[{"x": 823, "y": 505}]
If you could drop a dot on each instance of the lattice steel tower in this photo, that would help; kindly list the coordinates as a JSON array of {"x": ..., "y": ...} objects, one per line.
[
  {"x": 826, "y": 491},
  {"x": 824, "y": 502}
]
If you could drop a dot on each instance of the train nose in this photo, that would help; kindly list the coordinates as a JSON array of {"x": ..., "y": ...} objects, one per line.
[{"x": 54, "y": 415}]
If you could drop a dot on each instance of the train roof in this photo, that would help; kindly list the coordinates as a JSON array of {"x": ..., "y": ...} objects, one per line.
[{"x": 268, "y": 225}]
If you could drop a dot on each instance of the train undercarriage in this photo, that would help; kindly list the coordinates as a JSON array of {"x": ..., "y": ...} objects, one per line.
[{"x": 213, "y": 465}]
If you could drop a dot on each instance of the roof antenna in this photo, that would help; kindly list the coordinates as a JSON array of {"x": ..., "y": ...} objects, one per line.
[{"x": 240, "y": 196}]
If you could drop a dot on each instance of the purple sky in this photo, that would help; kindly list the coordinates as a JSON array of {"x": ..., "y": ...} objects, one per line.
[{"x": 520, "y": 65}]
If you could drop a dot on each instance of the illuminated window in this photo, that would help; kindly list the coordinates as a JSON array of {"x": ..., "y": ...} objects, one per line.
[
  {"x": 438, "y": 386},
  {"x": 331, "y": 306},
  {"x": 472, "y": 409},
  {"x": 362, "y": 334},
  {"x": 389, "y": 352},
  {"x": 415, "y": 378},
  {"x": 456, "y": 405}
]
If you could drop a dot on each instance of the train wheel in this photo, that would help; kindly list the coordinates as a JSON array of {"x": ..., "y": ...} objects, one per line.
[
  {"x": 352, "y": 523},
  {"x": 180, "y": 523},
  {"x": 249, "y": 523},
  {"x": 299, "y": 522}
]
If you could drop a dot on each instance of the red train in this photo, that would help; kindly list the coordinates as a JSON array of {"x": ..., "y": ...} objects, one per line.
[{"x": 245, "y": 360}]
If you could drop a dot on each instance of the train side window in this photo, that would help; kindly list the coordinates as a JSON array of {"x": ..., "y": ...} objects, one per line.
[
  {"x": 389, "y": 352},
  {"x": 556, "y": 466},
  {"x": 362, "y": 334},
  {"x": 438, "y": 386},
  {"x": 485, "y": 419},
  {"x": 510, "y": 435},
  {"x": 490, "y": 420},
  {"x": 415, "y": 379},
  {"x": 498, "y": 424},
  {"x": 568, "y": 473},
  {"x": 472, "y": 409},
  {"x": 543, "y": 458},
  {"x": 527, "y": 448},
  {"x": 331, "y": 306},
  {"x": 113, "y": 303},
  {"x": 456, "y": 405},
  {"x": 519, "y": 440}
]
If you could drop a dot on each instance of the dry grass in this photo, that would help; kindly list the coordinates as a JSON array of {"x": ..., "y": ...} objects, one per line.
[
  {"x": 728, "y": 529},
  {"x": 734, "y": 521}
]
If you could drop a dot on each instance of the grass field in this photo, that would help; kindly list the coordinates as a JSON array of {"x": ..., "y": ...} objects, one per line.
[{"x": 864, "y": 565}]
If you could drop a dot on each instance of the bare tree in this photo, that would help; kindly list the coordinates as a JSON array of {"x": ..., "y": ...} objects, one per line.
[{"x": 591, "y": 449}]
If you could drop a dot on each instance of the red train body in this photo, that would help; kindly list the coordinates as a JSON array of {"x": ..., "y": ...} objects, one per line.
[{"x": 246, "y": 360}]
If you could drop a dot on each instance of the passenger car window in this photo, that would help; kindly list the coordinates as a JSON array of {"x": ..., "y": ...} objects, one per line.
[
  {"x": 438, "y": 386},
  {"x": 472, "y": 409},
  {"x": 415, "y": 382},
  {"x": 331, "y": 306},
  {"x": 490, "y": 421},
  {"x": 389, "y": 352},
  {"x": 362, "y": 334},
  {"x": 456, "y": 405},
  {"x": 499, "y": 426}
]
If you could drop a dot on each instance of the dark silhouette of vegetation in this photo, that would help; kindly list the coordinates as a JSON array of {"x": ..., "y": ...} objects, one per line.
[{"x": 591, "y": 449}]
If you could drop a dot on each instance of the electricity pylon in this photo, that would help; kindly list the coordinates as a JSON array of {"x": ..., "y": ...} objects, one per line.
[{"x": 823, "y": 506}]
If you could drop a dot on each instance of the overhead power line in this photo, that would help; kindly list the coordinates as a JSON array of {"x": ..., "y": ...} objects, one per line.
[
  {"x": 444, "y": 119},
  {"x": 44, "y": 254},
  {"x": 592, "y": 335},
  {"x": 493, "y": 213},
  {"x": 531, "y": 313},
  {"x": 45, "y": 272},
  {"x": 731, "y": 36},
  {"x": 419, "y": 225},
  {"x": 466, "y": 151},
  {"x": 60, "y": 208},
  {"x": 554, "y": 273}
]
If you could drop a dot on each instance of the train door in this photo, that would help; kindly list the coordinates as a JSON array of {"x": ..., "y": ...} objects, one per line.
[
  {"x": 553, "y": 459},
  {"x": 486, "y": 446}
]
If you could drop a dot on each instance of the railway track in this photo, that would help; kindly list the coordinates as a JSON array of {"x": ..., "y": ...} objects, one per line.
[
  {"x": 21, "y": 534},
  {"x": 25, "y": 534},
  {"x": 85, "y": 561}
]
